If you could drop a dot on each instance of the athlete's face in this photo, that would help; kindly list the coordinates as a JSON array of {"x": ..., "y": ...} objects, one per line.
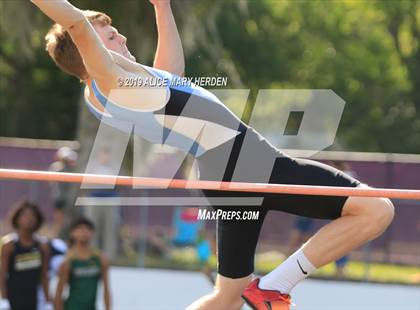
[
  {"x": 113, "y": 40},
  {"x": 82, "y": 234},
  {"x": 27, "y": 220}
]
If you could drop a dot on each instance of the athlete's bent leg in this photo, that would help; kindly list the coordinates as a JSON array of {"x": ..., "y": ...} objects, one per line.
[
  {"x": 363, "y": 219},
  {"x": 226, "y": 295}
]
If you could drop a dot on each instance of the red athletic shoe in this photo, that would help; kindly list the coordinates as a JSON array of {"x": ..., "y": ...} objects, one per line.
[{"x": 260, "y": 299}]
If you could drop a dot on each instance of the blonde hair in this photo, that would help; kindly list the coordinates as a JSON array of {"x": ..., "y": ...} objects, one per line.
[{"x": 62, "y": 49}]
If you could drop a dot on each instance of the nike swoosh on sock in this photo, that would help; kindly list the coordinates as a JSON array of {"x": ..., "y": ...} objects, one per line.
[{"x": 303, "y": 271}]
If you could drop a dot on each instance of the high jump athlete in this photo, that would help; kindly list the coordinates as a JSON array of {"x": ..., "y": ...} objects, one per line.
[{"x": 86, "y": 45}]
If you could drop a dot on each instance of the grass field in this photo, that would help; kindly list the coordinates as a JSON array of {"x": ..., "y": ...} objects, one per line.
[{"x": 383, "y": 273}]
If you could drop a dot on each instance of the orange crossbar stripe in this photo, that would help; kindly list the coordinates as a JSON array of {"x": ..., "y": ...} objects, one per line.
[{"x": 31, "y": 175}]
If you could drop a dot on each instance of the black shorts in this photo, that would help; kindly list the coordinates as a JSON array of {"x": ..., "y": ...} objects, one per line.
[{"x": 237, "y": 239}]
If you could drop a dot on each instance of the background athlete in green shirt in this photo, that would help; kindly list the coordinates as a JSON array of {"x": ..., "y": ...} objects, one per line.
[{"x": 83, "y": 269}]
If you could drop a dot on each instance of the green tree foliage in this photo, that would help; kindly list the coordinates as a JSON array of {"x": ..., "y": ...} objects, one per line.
[{"x": 366, "y": 51}]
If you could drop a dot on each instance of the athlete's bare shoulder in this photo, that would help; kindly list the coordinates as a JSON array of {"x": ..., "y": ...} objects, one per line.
[
  {"x": 7, "y": 244},
  {"x": 131, "y": 67},
  {"x": 9, "y": 238}
]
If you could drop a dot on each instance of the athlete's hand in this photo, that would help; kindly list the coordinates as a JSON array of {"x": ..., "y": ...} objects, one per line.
[
  {"x": 4, "y": 304},
  {"x": 159, "y": 3}
]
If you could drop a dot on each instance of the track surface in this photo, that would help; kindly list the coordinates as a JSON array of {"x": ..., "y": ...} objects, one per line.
[{"x": 166, "y": 289}]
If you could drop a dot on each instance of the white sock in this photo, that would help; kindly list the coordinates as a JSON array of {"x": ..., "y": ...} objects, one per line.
[{"x": 285, "y": 277}]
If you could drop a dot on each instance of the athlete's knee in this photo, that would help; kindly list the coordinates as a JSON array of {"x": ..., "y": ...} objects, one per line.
[
  {"x": 375, "y": 214},
  {"x": 384, "y": 214},
  {"x": 381, "y": 213}
]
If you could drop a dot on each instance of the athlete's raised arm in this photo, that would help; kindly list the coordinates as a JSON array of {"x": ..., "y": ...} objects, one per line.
[
  {"x": 169, "y": 53},
  {"x": 97, "y": 59}
]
